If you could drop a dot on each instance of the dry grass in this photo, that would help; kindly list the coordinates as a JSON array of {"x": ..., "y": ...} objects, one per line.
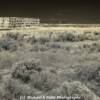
[
  {"x": 36, "y": 30},
  {"x": 69, "y": 62}
]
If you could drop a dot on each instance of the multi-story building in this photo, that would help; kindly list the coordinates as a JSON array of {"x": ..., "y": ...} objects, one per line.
[{"x": 15, "y": 22}]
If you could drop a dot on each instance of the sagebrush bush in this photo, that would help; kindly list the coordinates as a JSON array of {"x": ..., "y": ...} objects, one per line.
[
  {"x": 54, "y": 45},
  {"x": 76, "y": 88},
  {"x": 64, "y": 37},
  {"x": 88, "y": 72},
  {"x": 14, "y": 36},
  {"x": 11, "y": 41},
  {"x": 96, "y": 47},
  {"x": 81, "y": 37},
  {"x": 14, "y": 89},
  {"x": 39, "y": 47},
  {"x": 73, "y": 89},
  {"x": 43, "y": 40},
  {"x": 32, "y": 40},
  {"x": 0, "y": 77},
  {"x": 44, "y": 80},
  {"x": 2, "y": 91},
  {"x": 7, "y": 59},
  {"x": 96, "y": 75},
  {"x": 24, "y": 69},
  {"x": 5, "y": 44},
  {"x": 70, "y": 37},
  {"x": 96, "y": 33},
  {"x": 31, "y": 71}
]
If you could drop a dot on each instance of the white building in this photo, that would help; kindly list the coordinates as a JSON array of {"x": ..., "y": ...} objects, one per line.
[
  {"x": 4, "y": 22},
  {"x": 14, "y": 22}
]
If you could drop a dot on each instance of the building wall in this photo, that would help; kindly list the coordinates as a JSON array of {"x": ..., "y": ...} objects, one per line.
[
  {"x": 14, "y": 22},
  {"x": 4, "y": 22}
]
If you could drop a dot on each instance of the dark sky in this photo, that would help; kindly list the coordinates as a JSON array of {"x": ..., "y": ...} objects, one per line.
[{"x": 66, "y": 11}]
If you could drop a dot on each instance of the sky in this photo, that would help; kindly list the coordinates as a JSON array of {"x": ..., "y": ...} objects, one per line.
[{"x": 53, "y": 11}]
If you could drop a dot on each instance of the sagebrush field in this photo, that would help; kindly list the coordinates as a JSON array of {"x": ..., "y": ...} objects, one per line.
[{"x": 50, "y": 61}]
